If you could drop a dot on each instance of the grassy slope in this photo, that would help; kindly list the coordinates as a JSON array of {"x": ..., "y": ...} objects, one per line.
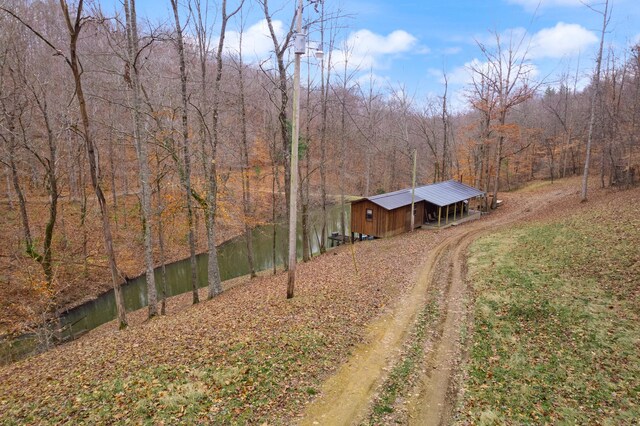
[{"x": 557, "y": 330}]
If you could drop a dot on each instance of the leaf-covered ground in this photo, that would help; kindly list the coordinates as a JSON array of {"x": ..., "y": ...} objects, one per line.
[
  {"x": 248, "y": 356},
  {"x": 251, "y": 356},
  {"x": 557, "y": 320}
]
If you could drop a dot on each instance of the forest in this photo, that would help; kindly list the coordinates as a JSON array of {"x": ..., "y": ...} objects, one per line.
[{"x": 128, "y": 144}]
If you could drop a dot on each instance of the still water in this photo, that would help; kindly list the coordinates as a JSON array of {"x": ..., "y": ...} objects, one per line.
[{"x": 232, "y": 259}]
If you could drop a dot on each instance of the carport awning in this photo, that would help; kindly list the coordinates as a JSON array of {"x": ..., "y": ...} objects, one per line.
[
  {"x": 441, "y": 194},
  {"x": 445, "y": 193}
]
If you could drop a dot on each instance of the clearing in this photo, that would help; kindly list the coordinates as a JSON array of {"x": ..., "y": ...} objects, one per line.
[
  {"x": 377, "y": 333},
  {"x": 346, "y": 396}
]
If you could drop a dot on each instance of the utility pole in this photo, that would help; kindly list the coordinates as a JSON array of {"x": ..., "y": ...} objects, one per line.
[
  {"x": 413, "y": 190},
  {"x": 299, "y": 44}
]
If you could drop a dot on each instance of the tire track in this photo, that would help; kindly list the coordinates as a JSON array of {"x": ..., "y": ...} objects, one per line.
[
  {"x": 346, "y": 396},
  {"x": 433, "y": 403}
]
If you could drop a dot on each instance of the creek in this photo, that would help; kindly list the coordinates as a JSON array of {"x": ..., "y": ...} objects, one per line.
[{"x": 232, "y": 259}]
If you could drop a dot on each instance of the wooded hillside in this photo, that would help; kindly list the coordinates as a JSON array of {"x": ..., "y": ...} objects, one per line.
[{"x": 184, "y": 142}]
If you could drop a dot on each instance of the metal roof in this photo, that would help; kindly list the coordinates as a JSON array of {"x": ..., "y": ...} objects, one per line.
[
  {"x": 445, "y": 193},
  {"x": 441, "y": 194},
  {"x": 393, "y": 200}
]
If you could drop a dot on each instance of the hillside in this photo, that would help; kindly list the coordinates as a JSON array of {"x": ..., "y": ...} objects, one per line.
[
  {"x": 557, "y": 319},
  {"x": 251, "y": 356}
]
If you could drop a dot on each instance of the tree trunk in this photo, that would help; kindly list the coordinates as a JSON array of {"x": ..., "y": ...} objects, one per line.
[
  {"x": 343, "y": 153},
  {"x": 280, "y": 49},
  {"x": 21, "y": 202},
  {"x": 274, "y": 173},
  {"x": 83, "y": 220},
  {"x": 634, "y": 120},
  {"x": 163, "y": 274},
  {"x": 445, "y": 131},
  {"x": 112, "y": 169},
  {"x": 143, "y": 157},
  {"x": 214, "y": 281},
  {"x": 74, "y": 29},
  {"x": 52, "y": 189},
  {"x": 594, "y": 98},
  {"x": 498, "y": 161},
  {"x": 186, "y": 175},
  {"x": 246, "y": 180},
  {"x": 323, "y": 136}
]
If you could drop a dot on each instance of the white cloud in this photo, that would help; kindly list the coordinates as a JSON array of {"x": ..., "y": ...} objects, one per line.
[
  {"x": 372, "y": 80},
  {"x": 513, "y": 35},
  {"x": 256, "y": 40},
  {"x": 365, "y": 49},
  {"x": 561, "y": 41},
  {"x": 463, "y": 75},
  {"x": 556, "y": 42}
]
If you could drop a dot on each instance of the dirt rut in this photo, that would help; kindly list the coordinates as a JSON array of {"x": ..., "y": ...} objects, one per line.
[{"x": 346, "y": 396}]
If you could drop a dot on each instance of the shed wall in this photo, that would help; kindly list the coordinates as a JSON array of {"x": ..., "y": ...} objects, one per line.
[
  {"x": 359, "y": 223},
  {"x": 385, "y": 223}
]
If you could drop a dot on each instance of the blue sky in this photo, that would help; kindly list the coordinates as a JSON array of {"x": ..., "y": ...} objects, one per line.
[{"x": 408, "y": 43}]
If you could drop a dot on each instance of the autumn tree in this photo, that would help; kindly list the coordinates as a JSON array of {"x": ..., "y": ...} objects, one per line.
[
  {"x": 75, "y": 22},
  {"x": 501, "y": 83}
]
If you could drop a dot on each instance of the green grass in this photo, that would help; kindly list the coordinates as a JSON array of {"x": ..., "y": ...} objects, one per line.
[
  {"x": 213, "y": 389},
  {"x": 557, "y": 331}
]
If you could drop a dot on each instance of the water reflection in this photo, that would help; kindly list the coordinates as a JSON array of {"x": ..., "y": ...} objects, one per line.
[{"x": 232, "y": 257}]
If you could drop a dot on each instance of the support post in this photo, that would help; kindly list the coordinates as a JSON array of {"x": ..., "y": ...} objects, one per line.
[
  {"x": 413, "y": 190},
  {"x": 439, "y": 215},
  {"x": 446, "y": 219},
  {"x": 455, "y": 210}
]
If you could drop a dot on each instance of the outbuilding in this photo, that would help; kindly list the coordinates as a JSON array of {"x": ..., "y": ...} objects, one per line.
[{"x": 389, "y": 214}]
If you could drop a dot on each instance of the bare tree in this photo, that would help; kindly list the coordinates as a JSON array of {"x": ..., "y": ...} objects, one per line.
[
  {"x": 279, "y": 50},
  {"x": 246, "y": 179},
  {"x": 594, "y": 98},
  {"x": 142, "y": 153},
  {"x": 445, "y": 130},
  {"x": 14, "y": 105},
  {"x": 426, "y": 129},
  {"x": 74, "y": 23},
  {"x": 507, "y": 75},
  {"x": 186, "y": 153},
  {"x": 326, "y": 67},
  {"x": 215, "y": 286},
  {"x": 49, "y": 163},
  {"x": 635, "y": 111}
]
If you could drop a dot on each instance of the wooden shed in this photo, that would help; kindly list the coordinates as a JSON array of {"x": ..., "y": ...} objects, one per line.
[{"x": 389, "y": 214}]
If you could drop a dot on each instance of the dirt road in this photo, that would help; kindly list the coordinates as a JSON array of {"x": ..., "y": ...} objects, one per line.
[{"x": 346, "y": 397}]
